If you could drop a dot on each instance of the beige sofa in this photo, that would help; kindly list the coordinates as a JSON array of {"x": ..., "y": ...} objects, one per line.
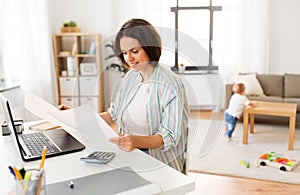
[{"x": 276, "y": 88}]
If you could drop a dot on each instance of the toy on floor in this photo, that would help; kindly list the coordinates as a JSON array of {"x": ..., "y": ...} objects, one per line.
[
  {"x": 278, "y": 161},
  {"x": 245, "y": 163}
]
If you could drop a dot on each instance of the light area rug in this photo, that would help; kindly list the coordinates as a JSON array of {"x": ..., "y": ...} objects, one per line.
[{"x": 224, "y": 157}]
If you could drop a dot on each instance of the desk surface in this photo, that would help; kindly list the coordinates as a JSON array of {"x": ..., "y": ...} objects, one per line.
[{"x": 68, "y": 167}]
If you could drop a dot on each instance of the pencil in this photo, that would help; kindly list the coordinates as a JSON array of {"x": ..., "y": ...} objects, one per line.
[
  {"x": 17, "y": 173},
  {"x": 40, "y": 181},
  {"x": 43, "y": 157}
]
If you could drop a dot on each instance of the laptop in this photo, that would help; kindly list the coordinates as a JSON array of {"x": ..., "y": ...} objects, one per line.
[{"x": 57, "y": 142}]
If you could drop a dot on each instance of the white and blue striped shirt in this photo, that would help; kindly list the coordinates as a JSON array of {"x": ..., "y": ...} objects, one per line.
[{"x": 167, "y": 112}]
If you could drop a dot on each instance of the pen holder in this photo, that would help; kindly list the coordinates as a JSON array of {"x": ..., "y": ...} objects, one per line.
[{"x": 35, "y": 184}]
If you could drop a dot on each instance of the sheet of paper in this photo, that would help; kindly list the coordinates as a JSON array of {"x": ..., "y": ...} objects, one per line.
[
  {"x": 47, "y": 111},
  {"x": 90, "y": 126},
  {"x": 86, "y": 123},
  {"x": 65, "y": 116},
  {"x": 40, "y": 108}
]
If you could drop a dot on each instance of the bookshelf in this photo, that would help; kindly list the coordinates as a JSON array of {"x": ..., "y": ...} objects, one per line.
[{"x": 78, "y": 69}]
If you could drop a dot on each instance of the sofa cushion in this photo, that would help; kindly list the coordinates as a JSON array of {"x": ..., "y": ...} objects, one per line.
[
  {"x": 293, "y": 100},
  {"x": 291, "y": 88},
  {"x": 251, "y": 84},
  {"x": 266, "y": 98},
  {"x": 272, "y": 85}
]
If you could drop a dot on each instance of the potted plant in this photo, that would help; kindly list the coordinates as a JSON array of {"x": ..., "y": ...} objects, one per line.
[
  {"x": 70, "y": 27},
  {"x": 115, "y": 62}
]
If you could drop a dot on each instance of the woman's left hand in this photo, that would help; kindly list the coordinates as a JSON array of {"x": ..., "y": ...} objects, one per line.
[{"x": 125, "y": 142}]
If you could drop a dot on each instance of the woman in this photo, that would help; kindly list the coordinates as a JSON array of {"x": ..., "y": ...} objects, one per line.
[{"x": 150, "y": 108}]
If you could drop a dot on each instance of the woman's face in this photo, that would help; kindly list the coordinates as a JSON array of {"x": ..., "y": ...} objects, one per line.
[{"x": 134, "y": 55}]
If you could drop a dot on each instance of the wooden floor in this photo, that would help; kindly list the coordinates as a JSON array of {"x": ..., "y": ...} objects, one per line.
[{"x": 224, "y": 185}]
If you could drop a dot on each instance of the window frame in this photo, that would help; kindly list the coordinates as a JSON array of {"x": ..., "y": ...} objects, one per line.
[{"x": 211, "y": 9}]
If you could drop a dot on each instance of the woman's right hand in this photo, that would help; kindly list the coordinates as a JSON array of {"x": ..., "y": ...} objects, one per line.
[{"x": 63, "y": 107}]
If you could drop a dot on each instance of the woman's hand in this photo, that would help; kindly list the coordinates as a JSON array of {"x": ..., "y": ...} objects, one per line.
[
  {"x": 125, "y": 142},
  {"x": 63, "y": 107},
  {"x": 129, "y": 142}
]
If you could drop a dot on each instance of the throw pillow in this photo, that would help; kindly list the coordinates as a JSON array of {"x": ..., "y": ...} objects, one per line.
[
  {"x": 251, "y": 83},
  {"x": 291, "y": 88}
]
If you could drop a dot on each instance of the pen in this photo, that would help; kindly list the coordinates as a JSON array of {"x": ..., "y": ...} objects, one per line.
[
  {"x": 71, "y": 184},
  {"x": 12, "y": 170},
  {"x": 22, "y": 171},
  {"x": 17, "y": 173},
  {"x": 43, "y": 157}
]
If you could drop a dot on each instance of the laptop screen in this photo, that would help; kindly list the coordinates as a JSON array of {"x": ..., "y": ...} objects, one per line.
[
  {"x": 10, "y": 121},
  {"x": 59, "y": 138}
]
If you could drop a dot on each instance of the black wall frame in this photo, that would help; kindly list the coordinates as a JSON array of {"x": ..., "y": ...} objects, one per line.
[{"x": 210, "y": 66}]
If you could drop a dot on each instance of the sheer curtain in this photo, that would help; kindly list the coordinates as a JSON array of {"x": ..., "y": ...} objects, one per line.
[
  {"x": 27, "y": 46},
  {"x": 241, "y": 31},
  {"x": 245, "y": 37}
]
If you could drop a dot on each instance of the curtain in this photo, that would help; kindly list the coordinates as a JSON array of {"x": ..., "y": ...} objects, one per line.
[
  {"x": 241, "y": 31},
  {"x": 245, "y": 37},
  {"x": 27, "y": 46}
]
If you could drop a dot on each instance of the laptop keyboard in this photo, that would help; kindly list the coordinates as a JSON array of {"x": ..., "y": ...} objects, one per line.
[{"x": 35, "y": 143}]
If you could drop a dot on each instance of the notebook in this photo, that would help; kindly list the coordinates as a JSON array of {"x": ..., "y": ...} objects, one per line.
[{"x": 58, "y": 141}]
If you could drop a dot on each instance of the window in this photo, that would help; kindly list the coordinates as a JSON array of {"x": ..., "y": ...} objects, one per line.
[
  {"x": 9, "y": 76},
  {"x": 2, "y": 80},
  {"x": 200, "y": 35}
]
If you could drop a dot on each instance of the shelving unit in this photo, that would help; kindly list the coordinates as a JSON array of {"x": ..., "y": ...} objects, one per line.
[{"x": 78, "y": 67}]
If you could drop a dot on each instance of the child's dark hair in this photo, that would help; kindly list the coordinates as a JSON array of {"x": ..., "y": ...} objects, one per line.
[{"x": 238, "y": 88}]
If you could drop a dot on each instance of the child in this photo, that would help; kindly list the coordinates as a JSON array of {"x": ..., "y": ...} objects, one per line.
[{"x": 236, "y": 105}]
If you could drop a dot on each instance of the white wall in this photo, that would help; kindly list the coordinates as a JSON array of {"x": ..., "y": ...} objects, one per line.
[
  {"x": 204, "y": 91},
  {"x": 285, "y": 36},
  {"x": 90, "y": 15},
  {"x": 106, "y": 16},
  {"x": 97, "y": 16}
]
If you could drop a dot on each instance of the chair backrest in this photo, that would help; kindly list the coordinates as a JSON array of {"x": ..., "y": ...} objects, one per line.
[{"x": 186, "y": 155}]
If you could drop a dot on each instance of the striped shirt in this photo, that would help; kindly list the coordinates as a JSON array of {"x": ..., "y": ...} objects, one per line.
[{"x": 167, "y": 112}]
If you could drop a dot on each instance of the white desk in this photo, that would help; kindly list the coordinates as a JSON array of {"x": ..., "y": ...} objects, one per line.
[{"x": 68, "y": 167}]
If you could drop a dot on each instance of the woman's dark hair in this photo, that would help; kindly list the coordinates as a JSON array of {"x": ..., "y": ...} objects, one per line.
[{"x": 146, "y": 35}]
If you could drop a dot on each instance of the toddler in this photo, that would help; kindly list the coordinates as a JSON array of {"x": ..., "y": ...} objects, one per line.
[{"x": 236, "y": 105}]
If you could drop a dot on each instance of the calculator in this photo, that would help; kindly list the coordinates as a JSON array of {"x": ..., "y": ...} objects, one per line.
[{"x": 101, "y": 157}]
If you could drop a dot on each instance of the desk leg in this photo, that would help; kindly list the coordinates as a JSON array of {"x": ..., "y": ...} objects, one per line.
[
  {"x": 292, "y": 131},
  {"x": 251, "y": 123},
  {"x": 245, "y": 134}
]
